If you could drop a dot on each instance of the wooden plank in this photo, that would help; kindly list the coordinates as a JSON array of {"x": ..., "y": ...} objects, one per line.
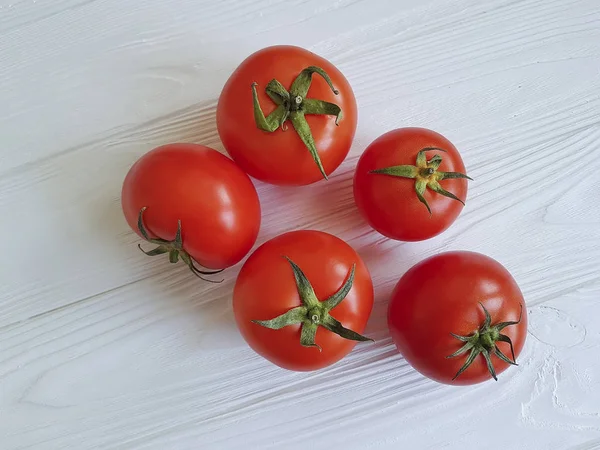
[{"x": 101, "y": 347}]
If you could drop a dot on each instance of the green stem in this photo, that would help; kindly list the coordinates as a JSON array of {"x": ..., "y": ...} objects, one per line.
[
  {"x": 294, "y": 105},
  {"x": 483, "y": 342},
  {"x": 174, "y": 248},
  {"x": 314, "y": 313},
  {"x": 426, "y": 175}
]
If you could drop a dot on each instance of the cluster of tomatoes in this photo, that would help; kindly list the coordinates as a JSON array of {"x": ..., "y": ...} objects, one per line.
[{"x": 288, "y": 117}]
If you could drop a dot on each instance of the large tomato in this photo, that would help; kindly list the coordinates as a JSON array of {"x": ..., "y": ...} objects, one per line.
[
  {"x": 200, "y": 191},
  {"x": 458, "y": 318},
  {"x": 410, "y": 184},
  {"x": 302, "y": 299},
  {"x": 310, "y": 116}
]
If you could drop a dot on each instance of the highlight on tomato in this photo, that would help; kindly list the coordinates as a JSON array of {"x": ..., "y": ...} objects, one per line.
[
  {"x": 287, "y": 116},
  {"x": 303, "y": 299},
  {"x": 458, "y": 318},
  {"x": 194, "y": 204},
  {"x": 410, "y": 184}
]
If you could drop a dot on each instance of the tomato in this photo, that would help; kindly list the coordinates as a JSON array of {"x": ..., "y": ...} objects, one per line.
[
  {"x": 289, "y": 85},
  {"x": 410, "y": 184},
  {"x": 302, "y": 298},
  {"x": 438, "y": 318},
  {"x": 200, "y": 191}
]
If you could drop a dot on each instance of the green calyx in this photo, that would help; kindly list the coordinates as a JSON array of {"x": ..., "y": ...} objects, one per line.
[
  {"x": 483, "y": 342},
  {"x": 314, "y": 313},
  {"x": 426, "y": 175},
  {"x": 174, "y": 248},
  {"x": 293, "y": 105}
]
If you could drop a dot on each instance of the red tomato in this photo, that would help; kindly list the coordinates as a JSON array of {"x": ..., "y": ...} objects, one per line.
[
  {"x": 266, "y": 150},
  {"x": 398, "y": 167},
  {"x": 289, "y": 285},
  {"x": 449, "y": 294},
  {"x": 214, "y": 199}
]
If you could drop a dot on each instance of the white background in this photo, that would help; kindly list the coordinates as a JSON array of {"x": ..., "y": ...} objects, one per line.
[{"x": 101, "y": 347}]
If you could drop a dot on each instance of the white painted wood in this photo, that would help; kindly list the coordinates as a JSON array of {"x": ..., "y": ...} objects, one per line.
[{"x": 103, "y": 348}]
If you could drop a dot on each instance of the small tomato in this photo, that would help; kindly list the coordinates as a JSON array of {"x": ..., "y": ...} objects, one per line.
[
  {"x": 410, "y": 184},
  {"x": 194, "y": 203},
  {"x": 458, "y": 318},
  {"x": 302, "y": 298},
  {"x": 283, "y": 85}
]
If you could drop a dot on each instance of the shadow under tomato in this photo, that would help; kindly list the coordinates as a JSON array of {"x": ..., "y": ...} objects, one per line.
[
  {"x": 216, "y": 327},
  {"x": 387, "y": 261},
  {"x": 331, "y": 204}
]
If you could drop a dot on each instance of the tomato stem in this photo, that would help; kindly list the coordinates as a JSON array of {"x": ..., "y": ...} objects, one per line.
[
  {"x": 174, "y": 248},
  {"x": 483, "y": 341},
  {"x": 313, "y": 312},
  {"x": 294, "y": 105},
  {"x": 426, "y": 175}
]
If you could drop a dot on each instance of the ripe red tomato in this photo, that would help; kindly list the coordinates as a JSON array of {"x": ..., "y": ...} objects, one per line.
[
  {"x": 285, "y": 291},
  {"x": 213, "y": 199},
  {"x": 291, "y": 86},
  {"x": 437, "y": 318},
  {"x": 410, "y": 184}
]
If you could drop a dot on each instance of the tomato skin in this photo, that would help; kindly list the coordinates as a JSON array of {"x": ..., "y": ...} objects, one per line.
[
  {"x": 266, "y": 288},
  {"x": 390, "y": 204},
  {"x": 280, "y": 157},
  {"x": 441, "y": 295},
  {"x": 215, "y": 200}
]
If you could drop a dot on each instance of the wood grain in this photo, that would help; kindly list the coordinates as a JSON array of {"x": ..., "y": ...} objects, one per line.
[{"x": 102, "y": 348}]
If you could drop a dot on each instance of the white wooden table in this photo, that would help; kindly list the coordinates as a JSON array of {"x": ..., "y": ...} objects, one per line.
[{"x": 103, "y": 348}]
